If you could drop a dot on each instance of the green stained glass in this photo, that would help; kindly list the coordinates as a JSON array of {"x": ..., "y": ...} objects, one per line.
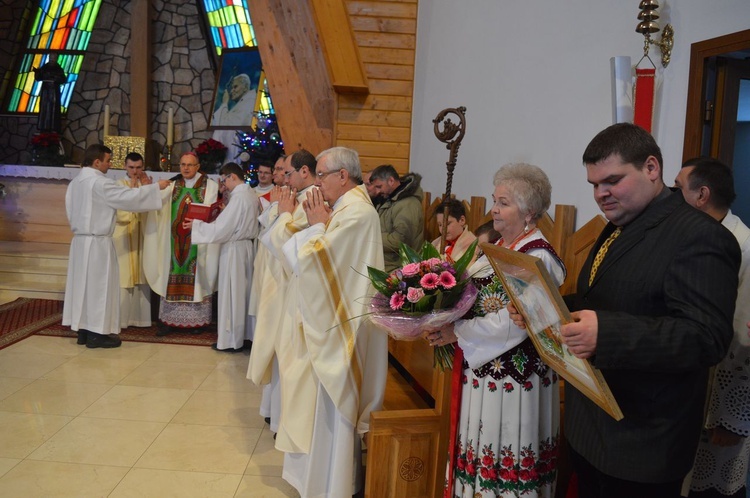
[{"x": 61, "y": 27}]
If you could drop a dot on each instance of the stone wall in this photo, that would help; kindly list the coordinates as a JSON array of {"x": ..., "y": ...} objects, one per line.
[
  {"x": 182, "y": 74},
  {"x": 182, "y": 78},
  {"x": 14, "y": 130}
]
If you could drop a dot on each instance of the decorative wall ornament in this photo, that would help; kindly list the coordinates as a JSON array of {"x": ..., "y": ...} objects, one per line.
[
  {"x": 648, "y": 25},
  {"x": 645, "y": 77},
  {"x": 122, "y": 146}
]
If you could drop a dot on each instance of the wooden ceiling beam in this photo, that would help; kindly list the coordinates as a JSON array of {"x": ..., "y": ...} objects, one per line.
[
  {"x": 295, "y": 68},
  {"x": 339, "y": 45}
]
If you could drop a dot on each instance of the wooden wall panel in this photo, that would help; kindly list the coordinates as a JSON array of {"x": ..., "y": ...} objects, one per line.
[
  {"x": 388, "y": 150},
  {"x": 376, "y": 133},
  {"x": 387, "y": 55},
  {"x": 390, "y": 72},
  {"x": 396, "y": 8},
  {"x": 388, "y": 25},
  {"x": 370, "y": 163},
  {"x": 390, "y": 118},
  {"x": 385, "y": 40},
  {"x": 375, "y": 102},
  {"x": 378, "y": 125}
]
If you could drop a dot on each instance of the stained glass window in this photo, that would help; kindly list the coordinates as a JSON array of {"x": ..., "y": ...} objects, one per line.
[
  {"x": 62, "y": 27},
  {"x": 230, "y": 27}
]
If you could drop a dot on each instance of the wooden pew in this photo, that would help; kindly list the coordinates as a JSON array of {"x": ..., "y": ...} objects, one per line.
[{"x": 408, "y": 443}]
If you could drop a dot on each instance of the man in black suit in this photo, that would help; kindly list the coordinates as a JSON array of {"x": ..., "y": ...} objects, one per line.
[{"x": 654, "y": 313}]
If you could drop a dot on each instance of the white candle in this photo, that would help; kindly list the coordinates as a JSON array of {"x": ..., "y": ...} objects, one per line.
[
  {"x": 106, "y": 120},
  {"x": 170, "y": 126}
]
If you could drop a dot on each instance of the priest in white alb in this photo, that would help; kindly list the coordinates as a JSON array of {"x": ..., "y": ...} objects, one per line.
[
  {"x": 235, "y": 229},
  {"x": 277, "y": 300},
  {"x": 333, "y": 365},
  {"x": 92, "y": 289}
]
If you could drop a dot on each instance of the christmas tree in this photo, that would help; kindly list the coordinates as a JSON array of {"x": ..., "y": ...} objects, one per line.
[{"x": 263, "y": 145}]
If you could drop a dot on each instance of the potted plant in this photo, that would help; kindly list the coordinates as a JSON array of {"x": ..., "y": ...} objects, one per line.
[{"x": 46, "y": 149}]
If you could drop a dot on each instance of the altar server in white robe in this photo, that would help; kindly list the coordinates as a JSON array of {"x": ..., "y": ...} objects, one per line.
[
  {"x": 92, "y": 289},
  {"x": 183, "y": 274},
  {"x": 135, "y": 294},
  {"x": 267, "y": 272},
  {"x": 235, "y": 229},
  {"x": 333, "y": 365},
  {"x": 277, "y": 306}
]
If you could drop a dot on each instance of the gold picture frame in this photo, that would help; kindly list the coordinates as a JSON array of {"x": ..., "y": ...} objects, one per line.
[{"x": 535, "y": 296}]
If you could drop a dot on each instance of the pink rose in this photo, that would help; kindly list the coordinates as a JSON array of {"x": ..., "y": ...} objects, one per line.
[
  {"x": 397, "y": 301},
  {"x": 434, "y": 261},
  {"x": 447, "y": 280},
  {"x": 414, "y": 294},
  {"x": 429, "y": 281},
  {"x": 410, "y": 270}
]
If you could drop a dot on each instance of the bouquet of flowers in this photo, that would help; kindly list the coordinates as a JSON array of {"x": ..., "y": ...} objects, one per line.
[
  {"x": 211, "y": 153},
  {"x": 425, "y": 293}
]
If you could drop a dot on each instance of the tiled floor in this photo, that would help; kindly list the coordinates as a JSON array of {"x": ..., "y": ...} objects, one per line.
[{"x": 145, "y": 420}]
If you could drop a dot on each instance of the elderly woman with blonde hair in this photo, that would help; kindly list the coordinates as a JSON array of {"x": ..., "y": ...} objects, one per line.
[{"x": 509, "y": 417}]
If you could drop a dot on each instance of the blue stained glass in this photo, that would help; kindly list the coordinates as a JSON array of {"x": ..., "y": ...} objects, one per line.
[
  {"x": 45, "y": 32},
  {"x": 233, "y": 41}
]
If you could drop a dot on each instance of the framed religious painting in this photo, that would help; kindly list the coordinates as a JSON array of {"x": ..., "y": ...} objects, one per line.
[
  {"x": 237, "y": 91},
  {"x": 535, "y": 296}
]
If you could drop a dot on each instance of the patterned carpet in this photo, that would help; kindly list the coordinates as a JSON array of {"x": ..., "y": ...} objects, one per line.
[{"x": 24, "y": 317}]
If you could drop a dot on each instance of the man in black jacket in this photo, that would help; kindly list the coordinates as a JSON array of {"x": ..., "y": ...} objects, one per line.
[{"x": 653, "y": 310}]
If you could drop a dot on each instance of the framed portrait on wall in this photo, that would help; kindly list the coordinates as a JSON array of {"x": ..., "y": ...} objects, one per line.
[
  {"x": 535, "y": 296},
  {"x": 236, "y": 93}
]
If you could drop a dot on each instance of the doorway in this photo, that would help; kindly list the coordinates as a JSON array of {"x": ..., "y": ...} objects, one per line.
[{"x": 718, "y": 112}]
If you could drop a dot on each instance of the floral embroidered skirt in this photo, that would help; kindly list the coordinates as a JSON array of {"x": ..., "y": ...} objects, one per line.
[{"x": 507, "y": 438}]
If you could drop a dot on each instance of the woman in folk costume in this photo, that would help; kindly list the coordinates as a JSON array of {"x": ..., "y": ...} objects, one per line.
[
  {"x": 458, "y": 237},
  {"x": 508, "y": 422}
]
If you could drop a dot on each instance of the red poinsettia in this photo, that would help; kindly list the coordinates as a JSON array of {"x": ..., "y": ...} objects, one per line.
[
  {"x": 46, "y": 150},
  {"x": 211, "y": 147},
  {"x": 48, "y": 139},
  {"x": 211, "y": 154}
]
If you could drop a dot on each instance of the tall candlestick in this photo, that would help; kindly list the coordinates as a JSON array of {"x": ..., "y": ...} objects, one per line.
[
  {"x": 170, "y": 126},
  {"x": 106, "y": 119}
]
